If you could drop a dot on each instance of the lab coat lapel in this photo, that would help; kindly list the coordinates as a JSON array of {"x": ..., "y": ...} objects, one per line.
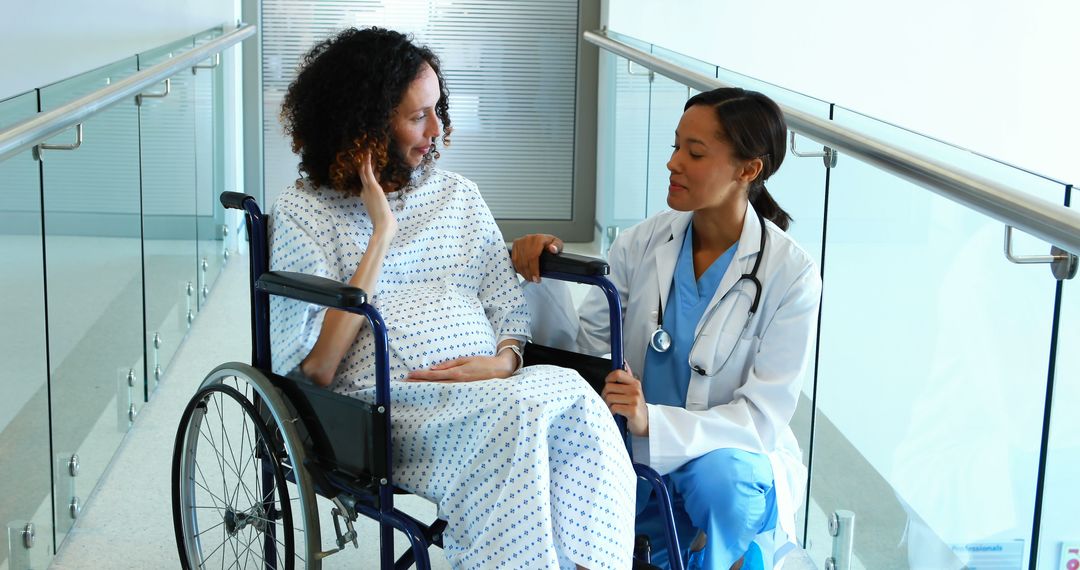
[
  {"x": 667, "y": 254},
  {"x": 741, "y": 263}
]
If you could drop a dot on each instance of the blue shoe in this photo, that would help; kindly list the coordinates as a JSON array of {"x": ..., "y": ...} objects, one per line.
[{"x": 695, "y": 560}]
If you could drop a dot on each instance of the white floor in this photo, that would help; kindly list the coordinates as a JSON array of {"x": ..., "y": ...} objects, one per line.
[{"x": 127, "y": 522}]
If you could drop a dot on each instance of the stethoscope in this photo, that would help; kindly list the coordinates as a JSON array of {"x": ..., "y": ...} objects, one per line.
[{"x": 661, "y": 339}]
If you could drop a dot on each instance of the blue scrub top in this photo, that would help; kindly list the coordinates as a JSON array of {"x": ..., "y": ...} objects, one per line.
[{"x": 667, "y": 374}]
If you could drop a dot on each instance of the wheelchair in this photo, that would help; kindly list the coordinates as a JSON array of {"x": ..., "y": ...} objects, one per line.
[{"x": 254, "y": 449}]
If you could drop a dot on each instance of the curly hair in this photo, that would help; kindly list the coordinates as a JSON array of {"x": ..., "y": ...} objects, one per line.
[{"x": 341, "y": 102}]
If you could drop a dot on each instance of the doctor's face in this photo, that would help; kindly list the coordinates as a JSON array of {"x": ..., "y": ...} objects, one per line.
[
  {"x": 705, "y": 172},
  {"x": 414, "y": 125}
]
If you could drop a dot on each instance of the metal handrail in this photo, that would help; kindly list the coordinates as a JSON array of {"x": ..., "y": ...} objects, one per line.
[
  {"x": 1041, "y": 218},
  {"x": 43, "y": 126}
]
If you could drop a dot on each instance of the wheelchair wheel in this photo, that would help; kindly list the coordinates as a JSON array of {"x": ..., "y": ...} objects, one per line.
[{"x": 241, "y": 497}]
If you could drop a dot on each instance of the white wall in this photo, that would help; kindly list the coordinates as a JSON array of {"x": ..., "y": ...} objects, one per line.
[
  {"x": 996, "y": 76},
  {"x": 45, "y": 41}
]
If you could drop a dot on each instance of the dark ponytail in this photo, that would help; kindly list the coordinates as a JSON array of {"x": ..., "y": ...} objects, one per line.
[
  {"x": 765, "y": 205},
  {"x": 754, "y": 125}
]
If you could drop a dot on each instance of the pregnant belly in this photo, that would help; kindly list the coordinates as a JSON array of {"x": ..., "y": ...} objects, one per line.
[{"x": 427, "y": 325}]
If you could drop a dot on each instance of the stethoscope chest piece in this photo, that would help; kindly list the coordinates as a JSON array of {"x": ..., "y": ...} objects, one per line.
[{"x": 661, "y": 340}]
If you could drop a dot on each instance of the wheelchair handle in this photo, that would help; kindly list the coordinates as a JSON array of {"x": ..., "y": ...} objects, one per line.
[
  {"x": 572, "y": 263},
  {"x": 569, "y": 263},
  {"x": 234, "y": 200}
]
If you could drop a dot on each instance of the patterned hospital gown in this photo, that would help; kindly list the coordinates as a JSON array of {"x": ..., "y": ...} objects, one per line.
[{"x": 529, "y": 471}]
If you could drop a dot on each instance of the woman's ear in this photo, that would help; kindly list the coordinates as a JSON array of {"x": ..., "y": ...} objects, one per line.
[{"x": 750, "y": 170}]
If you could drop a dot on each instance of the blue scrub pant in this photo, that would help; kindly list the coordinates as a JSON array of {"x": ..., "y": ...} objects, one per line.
[{"x": 728, "y": 493}]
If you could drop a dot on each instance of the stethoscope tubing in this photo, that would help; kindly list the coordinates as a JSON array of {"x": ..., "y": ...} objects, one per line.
[{"x": 661, "y": 339}]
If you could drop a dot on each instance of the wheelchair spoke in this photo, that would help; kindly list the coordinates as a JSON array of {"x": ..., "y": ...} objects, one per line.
[
  {"x": 235, "y": 552},
  {"x": 244, "y": 440},
  {"x": 244, "y": 550},
  {"x": 255, "y": 470},
  {"x": 224, "y": 540},
  {"x": 210, "y": 529},
  {"x": 251, "y": 459},
  {"x": 297, "y": 552},
  {"x": 260, "y": 551},
  {"x": 247, "y": 547},
  {"x": 209, "y": 492},
  {"x": 218, "y": 501},
  {"x": 225, "y": 441},
  {"x": 209, "y": 437},
  {"x": 232, "y": 455},
  {"x": 221, "y": 461},
  {"x": 206, "y": 558}
]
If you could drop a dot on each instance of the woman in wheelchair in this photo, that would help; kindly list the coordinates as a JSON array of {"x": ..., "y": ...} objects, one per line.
[
  {"x": 526, "y": 465},
  {"x": 720, "y": 309}
]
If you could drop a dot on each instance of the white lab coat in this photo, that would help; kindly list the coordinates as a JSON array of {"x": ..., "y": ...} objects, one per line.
[{"x": 745, "y": 404}]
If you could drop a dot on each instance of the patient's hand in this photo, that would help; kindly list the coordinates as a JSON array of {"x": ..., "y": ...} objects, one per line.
[
  {"x": 374, "y": 198},
  {"x": 526, "y": 253},
  {"x": 468, "y": 369}
]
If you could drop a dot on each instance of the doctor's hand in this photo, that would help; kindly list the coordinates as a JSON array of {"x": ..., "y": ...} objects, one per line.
[
  {"x": 624, "y": 396},
  {"x": 526, "y": 253},
  {"x": 468, "y": 369}
]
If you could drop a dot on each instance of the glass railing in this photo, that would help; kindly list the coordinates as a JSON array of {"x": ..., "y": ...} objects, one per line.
[
  {"x": 167, "y": 130},
  {"x": 925, "y": 410},
  {"x": 1059, "y": 525},
  {"x": 211, "y": 227},
  {"x": 937, "y": 413},
  {"x": 26, "y": 501},
  {"x": 109, "y": 249},
  {"x": 94, "y": 285}
]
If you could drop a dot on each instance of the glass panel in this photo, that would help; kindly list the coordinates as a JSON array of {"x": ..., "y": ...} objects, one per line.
[
  {"x": 785, "y": 97},
  {"x": 932, "y": 371},
  {"x": 1059, "y": 532},
  {"x": 168, "y": 186},
  {"x": 24, "y": 409},
  {"x": 94, "y": 274},
  {"x": 210, "y": 173},
  {"x": 666, "y": 100},
  {"x": 957, "y": 157},
  {"x": 622, "y": 152}
]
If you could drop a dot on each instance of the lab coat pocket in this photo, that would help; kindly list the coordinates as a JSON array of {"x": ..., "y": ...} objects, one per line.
[
  {"x": 730, "y": 358},
  {"x": 720, "y": 334}
]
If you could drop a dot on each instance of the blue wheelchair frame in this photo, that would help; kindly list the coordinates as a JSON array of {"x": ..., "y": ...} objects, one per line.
[{"x": 374, "y": 493}]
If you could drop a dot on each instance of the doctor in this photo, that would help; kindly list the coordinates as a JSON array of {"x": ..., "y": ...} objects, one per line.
[{"x": 719, "y": 310}]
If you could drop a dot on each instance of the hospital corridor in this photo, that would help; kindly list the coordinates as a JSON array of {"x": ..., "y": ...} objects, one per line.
[{"x": 539, "y": 284}]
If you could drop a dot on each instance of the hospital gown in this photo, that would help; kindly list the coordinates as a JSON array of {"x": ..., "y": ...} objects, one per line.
[{"x": 529, "y": 471}]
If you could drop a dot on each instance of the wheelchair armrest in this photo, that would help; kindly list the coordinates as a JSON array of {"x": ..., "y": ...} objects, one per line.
[
  {"x": 572, "y": 264},
  {"x": 311, "y": 289},
  {"x": 234, "y": 200}
]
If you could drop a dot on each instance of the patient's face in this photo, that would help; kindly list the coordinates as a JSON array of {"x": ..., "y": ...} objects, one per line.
[{"x": 414, "y": 124}]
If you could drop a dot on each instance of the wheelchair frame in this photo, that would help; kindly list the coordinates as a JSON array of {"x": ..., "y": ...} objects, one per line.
[{"x": 292, "y": 444}]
